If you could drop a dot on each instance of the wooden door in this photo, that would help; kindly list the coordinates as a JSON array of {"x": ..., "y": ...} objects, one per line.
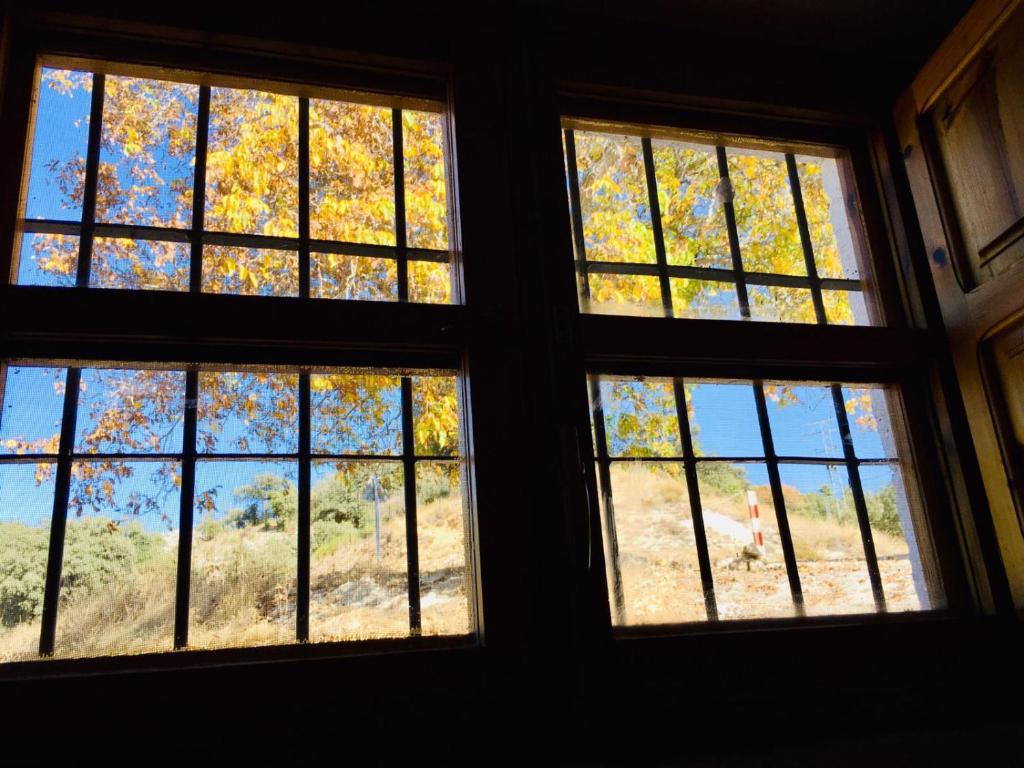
[{"x": 961, "y": 127}]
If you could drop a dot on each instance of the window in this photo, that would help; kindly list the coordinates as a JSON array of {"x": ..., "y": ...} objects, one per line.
[
  {"x": 684, "y": 229},
  {"x": 231, "y": 449},
  {"x": 734, "y": 483}
]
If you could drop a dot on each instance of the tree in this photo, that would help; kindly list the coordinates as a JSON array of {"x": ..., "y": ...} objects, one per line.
[
  {"x": 269, "y": 501},
  {"x": 145, "y": 177}
]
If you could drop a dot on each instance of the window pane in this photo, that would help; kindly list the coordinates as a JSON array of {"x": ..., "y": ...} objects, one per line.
[
  {"x": 826, "y": 539},
  {"x": 26, "y": 505},
  {"x": 120, "y": 551},
  {"x": 33, "y": 402},
  {"x": 443, "y": 548},
  {"x": 704, "y": 299},
  {"x": 252, "y": 164},
  {"x": 435, "y": 413},
  {"x": 765, "y": 214},
  {"x": 724, "y": 420},
  {"x": 803, "y": 420},
  {"x": 356, "y": 414},
  {"x": 871, "y": 426},
  {"x": 244, "y": 556},
  {"x": 692, "y": 215},
  {"x": 139, "y": 264},
  {"x": 359, "y": 584},
  {"x": 613, "y": 195},
  {"x": 130, "y": 411},
  {"x": 781, "y": 305},
  {"x": 426, "y": 209},
  {"x": 250, "y": 271},
  {"x": 430, "y": 282},
  {"x": 147, "y": 152},
  {"x": 624, "y": 295},
  {"x": 351, "y": 173},
  {"x": 60, "y": 139},
  {"x": 827, "y": 220},
  {"x": 364, "y": 278},
  {"x": 241, "y": 412},
  {"x": 640, "y": 418},
  {"x": 48, "y": 260},
  {"x": 657, "y": 547},
  {"x": 907, "y": 586},
  {"x": 845, "y": 308},
  {"x": 748, "y": 585}
]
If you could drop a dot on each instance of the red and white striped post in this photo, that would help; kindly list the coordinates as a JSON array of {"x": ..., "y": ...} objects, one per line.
[{"x": 755, "y": 521}]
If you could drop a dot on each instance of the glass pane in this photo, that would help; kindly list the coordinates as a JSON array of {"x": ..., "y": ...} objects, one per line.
[
  {"x": 723, "y": 420},
  {"x": 60, "y": 139},
  {"x": 430, "y": 282},
  {"x": 692, "y": 215},
  {"x": 147, "y": 152},
  {"x": 765, "y": 214},
  {"x": 845, "y": 308},
  {"x": 48, "y": 260},
  {"x": 803, "y": 420},
  {"x": 656, "y": 544},
  {"x": 704, "y": 299},
  {"x": 119, "y": 570},
  {"x": 867, "y": 410},
  {"x": 624, "y": 295},
  {"x": 250, "y": 271},
  {"x": 640, "y": 418},
  {"x": 426, "y": 209},
  {"x": 781, "y": 305},
  {"x": 252, "y": 164},
  {"x": 826, "y": 539},
  {"x": 26, "y": 504},
  {"x": 139, "y": 264},
  {"x": 242, "y": 412},
  {"x": 351, "y": 173},
  {"x": 130, "y": 411},
  {"x": 244, "y": 556},
  {"x": 906, "y": 585},
  {"x": 443, "y": 549},
  {"x": 364, "y": 278},
  {"x": 435, "y": 414},
  {"x": 356, "y": 414},
  {"x": 829, "y": 225},
  {"x": 33, "y": 402},
  {"x": 748, "y": 584},
  {"x": 359, "y": 584},
  {"x": 613, "y": 197}
]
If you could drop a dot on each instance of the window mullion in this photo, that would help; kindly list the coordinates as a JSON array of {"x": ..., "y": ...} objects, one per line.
[
  {"x": 696, "y": 509},
  {"x": 781, "y": 518},
  {"x": 412, "y": 551},
  {"x": 805, "y": 238},
  {"x": 304, "y": 198},
  {"x": 859, "y": 503},
  {"x": 734, "y": 238},
  {"x": 400, "y": 233},
  {"x": 58, "y": 522},
  {"x": 195, "y": 282},
  {"x": 187, "y": 509},
  {"x": 654, "y": 206},
  {"x": 92, "y": 164},
  {"x": 303, "y": 563}
]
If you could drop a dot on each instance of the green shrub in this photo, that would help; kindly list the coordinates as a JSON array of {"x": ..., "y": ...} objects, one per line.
[
  {"x": 728, "y": 479},
  {"x": 209, "y": 529},
  {"x": 326, "y": 536},
  {"x": 97, "y": 551}
]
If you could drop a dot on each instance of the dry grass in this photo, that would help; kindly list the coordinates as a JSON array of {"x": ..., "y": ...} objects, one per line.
[
  {"x": 660, "y": 572},
  {"x": 243, "y": 593}
]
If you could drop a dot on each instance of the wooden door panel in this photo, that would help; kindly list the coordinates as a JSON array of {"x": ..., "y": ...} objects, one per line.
[{"x": 961, "y": 127}]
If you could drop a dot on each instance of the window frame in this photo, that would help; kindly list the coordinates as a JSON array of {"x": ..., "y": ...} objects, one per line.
[
  {"x": 196, "y": 330},
  {"x": 900, "y": 353}
]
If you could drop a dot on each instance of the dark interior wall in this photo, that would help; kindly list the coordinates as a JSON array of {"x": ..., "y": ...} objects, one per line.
[{"x": 893, "y": 694}]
